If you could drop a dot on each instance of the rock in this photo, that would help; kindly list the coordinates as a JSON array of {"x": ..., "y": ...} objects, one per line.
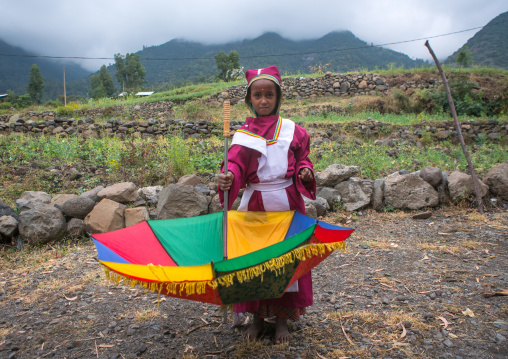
[
  {"x": 42, "y": 224},
  {"x": 355, "y": 193},
  {"x": 334, "y": 174},
  {"x": 106, "y": 216},
  {"x": 310, "y": 210},
  {"x": 189, "y": 180},
  {"x": 320, "y": 204},
  {"x": 8, "y": 226},
  {"x": 378, "y": 194},
  {"x": 460, "y": 185},
  {"x": 78, "y": 207},
  {"x": 123, "y": 192},
  {"x": 431, "y": 175},
  {"x": 204, "y": 189},
  {"x": 497, "y": 180},
  {"x": 442, "y": 189},
  {"x": 149, "y": 193},
  {"x": 92, "y": 194},
  {"x": 74, "y": 174},
  {"x": 423, "y": 215},
  {"x": 215, "y": 206},
  {"x": 30, "y": 199},
  {"x": 136, "y": 215},
  {"x": 5, "y": 210},
  {"x": 409, "y": 191},
  {"x": 448, "y": 343},
  {"x": 61, "y": 198},
  {"x": 331, "y": 195},
  {"x": 178, "y": 201},
  {"x": 75, "y": 228}
]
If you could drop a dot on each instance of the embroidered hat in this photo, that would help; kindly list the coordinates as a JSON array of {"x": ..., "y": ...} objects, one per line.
[{"x": 270, "y": 73}]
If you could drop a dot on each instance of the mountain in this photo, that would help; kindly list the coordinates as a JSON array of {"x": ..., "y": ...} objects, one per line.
[
  {"x": 489, "y": 46},
  {"x": 15, "y": 72},
  {"x": 182, "y": 61}
]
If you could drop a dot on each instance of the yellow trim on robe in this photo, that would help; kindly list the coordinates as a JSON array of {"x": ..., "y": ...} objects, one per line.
[
  {"x": 251, "y": 231},
  {"x": 163, "y": 273}
]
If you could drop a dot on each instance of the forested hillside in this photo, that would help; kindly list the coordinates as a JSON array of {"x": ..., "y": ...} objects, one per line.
[
  {"x": 489, "y": 46},
  {"x": 15, "y": 72}
]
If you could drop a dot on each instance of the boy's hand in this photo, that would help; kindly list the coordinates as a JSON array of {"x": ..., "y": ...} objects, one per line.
[
  {"x": 225, "y": 182},
  {"x": 306, "y": 174}
]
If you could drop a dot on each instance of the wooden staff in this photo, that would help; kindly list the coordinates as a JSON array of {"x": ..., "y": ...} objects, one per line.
[
  {"x": 226, "y": 134},
  {"x": 472, "y": 172}
]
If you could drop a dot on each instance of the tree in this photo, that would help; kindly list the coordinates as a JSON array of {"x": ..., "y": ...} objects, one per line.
[
  {"x": 227, "y": 64},
  {"x": 464, "y": 57},
  {"x": 101, "y": 84},
  {"x": 130, "y": 72},
  {"x": 36, "y": 84}
]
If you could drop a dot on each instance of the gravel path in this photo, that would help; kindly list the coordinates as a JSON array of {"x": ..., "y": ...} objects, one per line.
[{"x": 406, "y": 288}]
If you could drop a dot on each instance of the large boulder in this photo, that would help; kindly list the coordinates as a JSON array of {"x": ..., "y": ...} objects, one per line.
[
  {"x": 331, "y": 195},
  {"x": 61, "y": 198},
  {"x": 75, "y": 228},
  {"x": 460, "y": 185},
  {"x": 8, "y": 226},
  {"x": 320, "y": 204},
  {"x": 136, "y": 215},
  {"x": 378, "y": 189},
  {"x": 31, "y": 199},
  {"x": 310, "y": 210},
  {"x": 215, "y": 205},
  {"x": 497, "y": 180},
  {"x": 431, "y": 175},
  {"x": 149, "y": 193},
  {"x": 123, "y": 192},
  {"x": 355, "y": 193},
  {"x": 106, "y": 216},
  {"x": 189, "y": 180},
  {"x": 335, "y": 174},
  {"x": 5, "y": 210},
  {"x": 409, "y": 191},
  {"x": 92, "y": 194},
  {"x": 178, "y": 201},
  {"x": 78, "y": 207},
  {"x": 42, "y": 224}
]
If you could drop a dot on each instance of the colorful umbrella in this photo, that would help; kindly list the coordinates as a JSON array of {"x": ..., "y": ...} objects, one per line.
[{"x": 183, "y": 258}]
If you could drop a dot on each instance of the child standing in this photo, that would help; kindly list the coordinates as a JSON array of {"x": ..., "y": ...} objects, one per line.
[{"x": 269, "y": 157}]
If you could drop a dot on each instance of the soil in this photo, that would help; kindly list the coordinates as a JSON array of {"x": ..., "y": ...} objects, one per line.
[{"x": 405, "y": 288}]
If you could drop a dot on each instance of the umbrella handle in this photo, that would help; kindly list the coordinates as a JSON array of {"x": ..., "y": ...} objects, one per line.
[{"x": 226, "y": 134}]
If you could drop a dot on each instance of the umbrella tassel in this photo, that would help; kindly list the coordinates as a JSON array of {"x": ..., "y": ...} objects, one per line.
[{"x": 226, "y": 134}]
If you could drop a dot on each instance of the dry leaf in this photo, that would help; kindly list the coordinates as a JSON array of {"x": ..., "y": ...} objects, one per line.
[
  {"x": 425, "y": 258},
  {"x": 502, "y": 292},
  {"x": 453, "y": 336},
  {"x": 320, "y": 356},
  {"x": 349, "y": 340},
  {"x": 73, "y": 298},
  {"x": 449, "y": 251},
  {"x": 105, "y": 346},
  {"x": 404, "y": 332},
  {"x": 468, "y": 312},
  {"x": 445, "y": 322}
]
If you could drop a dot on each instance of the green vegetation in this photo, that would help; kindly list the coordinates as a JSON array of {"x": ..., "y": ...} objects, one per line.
[
  {"x": 229, "y": 66},
  {"x": 35, "y": 84},
  {"x": 102, "y": 84},
  {"x": 130, "y": 73}
]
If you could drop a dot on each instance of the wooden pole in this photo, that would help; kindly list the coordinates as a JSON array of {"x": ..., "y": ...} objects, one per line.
[
  {"x": 472, "y": 172},
  {"x": 226, "y": 135},
  {"x": 65, "y": 94}
]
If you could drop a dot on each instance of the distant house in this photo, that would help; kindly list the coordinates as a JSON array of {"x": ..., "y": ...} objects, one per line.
[
  {"x": 3, "y": 97},
  {"x": 145, "y": 93}
]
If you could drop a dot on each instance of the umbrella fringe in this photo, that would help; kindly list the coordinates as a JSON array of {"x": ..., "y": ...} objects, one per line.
[{"x": 275, "y": 264}]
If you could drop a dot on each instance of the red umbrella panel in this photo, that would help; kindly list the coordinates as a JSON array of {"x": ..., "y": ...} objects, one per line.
[{"x": 183, "y": 258}]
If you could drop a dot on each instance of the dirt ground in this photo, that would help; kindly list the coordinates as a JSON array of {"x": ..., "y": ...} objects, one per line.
[{"x": 405, "y": 288}]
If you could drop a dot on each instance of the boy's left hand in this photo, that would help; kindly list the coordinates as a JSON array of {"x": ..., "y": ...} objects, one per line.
[{"x": 306, "y": 174}]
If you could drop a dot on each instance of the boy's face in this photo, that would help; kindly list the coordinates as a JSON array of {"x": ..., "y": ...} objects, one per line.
[{"x": 263, "y": 96}]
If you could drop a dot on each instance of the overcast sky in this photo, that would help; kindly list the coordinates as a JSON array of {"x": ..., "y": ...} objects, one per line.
[{"x": 101, "y": 28}]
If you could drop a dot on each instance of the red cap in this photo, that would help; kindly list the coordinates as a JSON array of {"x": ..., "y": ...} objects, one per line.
[{"x": 269, "y": 73}]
